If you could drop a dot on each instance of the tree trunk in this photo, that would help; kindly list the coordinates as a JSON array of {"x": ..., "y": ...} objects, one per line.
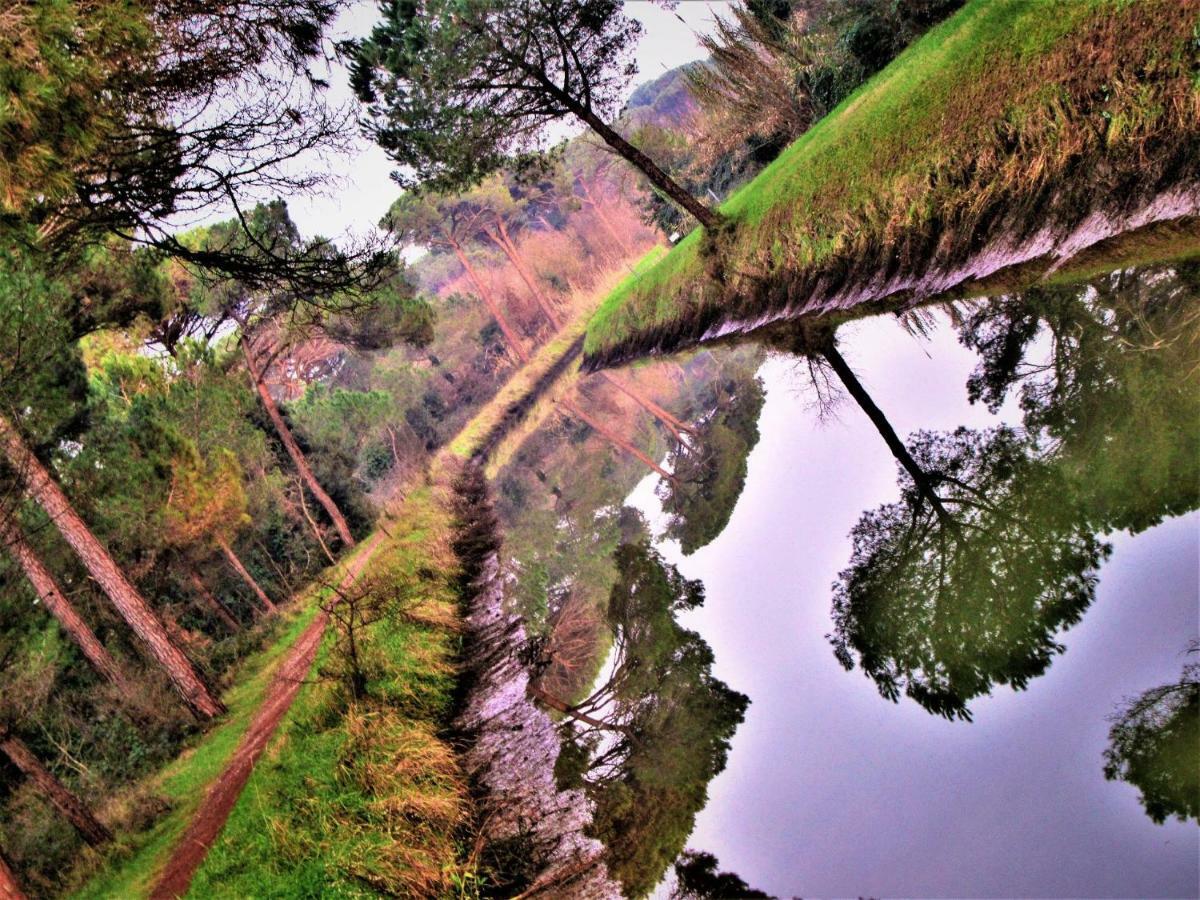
[
  {"x": 489, "y": 301},
  {"x": 60, "y": 607},
  {"x": 55, "y": 791},
  {"x": 883, "y": 426},
  {"x": 294, "y": 451},
  {"x": 604, "y": 220},
  {"x": 217, "y": 608},
  {"x": 616, "y": 439},
  {"x": 246, "y": 576},
  {"x": 660, "y": 179},
  {"x": 9, "y": 889},
  {"x": 100, "y": 565},
  {"x": 505, "y": 243},
  {"x": 675, "y": 425},
  {"x": 567, "y": 710}
]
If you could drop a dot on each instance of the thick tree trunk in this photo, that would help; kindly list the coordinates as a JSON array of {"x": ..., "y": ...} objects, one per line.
[
  {"x": 884, "y": 427},
  {"x": 294, "y": 451},
  {"x": 60, "y": 607},
  {"x": 505, "y": 243},
  {"x": 9, "y": 889},
  {"x": 214, "y": 605},
  {"x": 100, "y": 565},
  {"x": 245, "y": 575},
  {"x": 660, "y": 179},
  {"x": 614, "y": 438},
  {"x": 55, "y": 791},
  {"x": 673, "y": 424},
  {"x": 486, "y": 296}
]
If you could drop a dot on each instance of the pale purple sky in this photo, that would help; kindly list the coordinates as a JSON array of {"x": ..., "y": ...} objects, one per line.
[{"x": 832, "y": 791}]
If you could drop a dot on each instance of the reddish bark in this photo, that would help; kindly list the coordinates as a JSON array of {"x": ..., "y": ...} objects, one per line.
[
  {"x": 674, "y": 425},
  {"x": 567, "y": 710},
  {"x": 217, "y": 608},
  {"x": 246, "y": 576},
  {"x": 53, "y": 790},
  {"x": 9, "y": 889},
  {"x": 502, "y": 240},
  {"x": 489, "y": 301},
  {"x": 294, "y": 451},
  {"x": 616, "y": 439},
  {"x": 60, "y": 607},
  {"x": 100, "y": 565}
]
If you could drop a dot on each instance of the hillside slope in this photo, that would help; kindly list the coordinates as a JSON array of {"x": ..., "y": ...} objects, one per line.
[{"x": 1013, "y": 133}]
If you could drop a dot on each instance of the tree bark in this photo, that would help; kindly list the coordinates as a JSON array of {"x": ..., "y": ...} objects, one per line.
[
  {"x": 489, "y": 301},
  {"x": 616, "y": 439},
  {"x": 505, "y": 243},
  {"x": 133, "y": 608},
  {"x": 217, "y": 608},
  {"x": 67, "y": 803},
  {"x": 9, "y": 889},
  {"x": 884, "y": 427},
  {"x": 567, "y": 710},
  {"x": 294, "y": 451},
  {"x": 673, "y": 424},
  {"x": 246, "y": 576},
  {"x": 60, "y": 607},
  {"x": 660, "y": 179}
]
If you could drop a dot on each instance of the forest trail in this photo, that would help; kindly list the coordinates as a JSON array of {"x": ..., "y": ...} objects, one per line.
[{"x": 222, "y": 796}]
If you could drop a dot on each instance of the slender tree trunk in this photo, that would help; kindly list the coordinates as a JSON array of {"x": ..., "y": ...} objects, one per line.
[
  {"x": 9, "y": 889},
  {"x": 616, "y": 439},
  {"x": 60, "y": 607},
  {"x": 67, "y": 803},
  {"x": 217, "y": 608},
  {"x": 100, "y": 565},
  {"x": 884, "y": 427},
  {"x": 505, "y": 243},
  {"x": 294, "y": 451},
  {"x": 675, "y": 425},
  {"x": 316, "y": 530},
  {"x": 567, "y": 710},
  {"x": 604, "y": 220},
  {"x": 489, "y": 301},
  {"x": 246, "y": 576},
  {"x": 660, "y": 179}
]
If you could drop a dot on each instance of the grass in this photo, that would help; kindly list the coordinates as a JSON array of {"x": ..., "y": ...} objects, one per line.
[
  {"x": 526, "y": 379},
  {"x": 1006, "y": 116},
  {"x": 362, "y": 797},
  {"x": 135, "y": 859}
]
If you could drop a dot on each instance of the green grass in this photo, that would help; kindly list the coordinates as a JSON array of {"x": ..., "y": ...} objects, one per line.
[
  {"x": 135, "y": 860},
  {"x": 979, "y": 117},
  {"x": 359, "y": 798}
]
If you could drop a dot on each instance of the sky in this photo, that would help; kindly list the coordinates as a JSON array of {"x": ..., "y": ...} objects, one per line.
[
  {"x": 832, "y": 791},
  {"x": 361, "y": 189}
]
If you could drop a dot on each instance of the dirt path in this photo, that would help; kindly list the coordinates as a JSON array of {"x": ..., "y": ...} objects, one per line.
[{"x": 214, "y": 810}]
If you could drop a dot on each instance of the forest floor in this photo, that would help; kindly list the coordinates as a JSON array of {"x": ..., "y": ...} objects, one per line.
[
  {"x": 1007, "y": 140},
  {"x": 221, "y": 797}
]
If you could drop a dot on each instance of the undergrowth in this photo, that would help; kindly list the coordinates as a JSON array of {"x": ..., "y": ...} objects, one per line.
[{"x": 363, "y": 796}]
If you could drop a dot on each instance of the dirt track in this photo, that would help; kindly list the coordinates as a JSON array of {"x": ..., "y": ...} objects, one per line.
[{"x": 218, "y": 803}]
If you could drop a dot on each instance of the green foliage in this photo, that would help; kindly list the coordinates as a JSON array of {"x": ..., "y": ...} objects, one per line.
[
  {"x": 1152, "y": 746},
  {"x": 697, "y": 878},
  {"x": 456, "y": 90},
  {"x": 711, "y": 472},
  {"x": 943, "y": 605},
  {"x": 672, "y": 722}
]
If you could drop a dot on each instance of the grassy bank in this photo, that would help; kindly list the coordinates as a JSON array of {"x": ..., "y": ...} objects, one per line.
[
  {"x": 362, "y": 796},
  {"x": 131, "y": 865},
  {"x": 1008, "y": 116}
]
